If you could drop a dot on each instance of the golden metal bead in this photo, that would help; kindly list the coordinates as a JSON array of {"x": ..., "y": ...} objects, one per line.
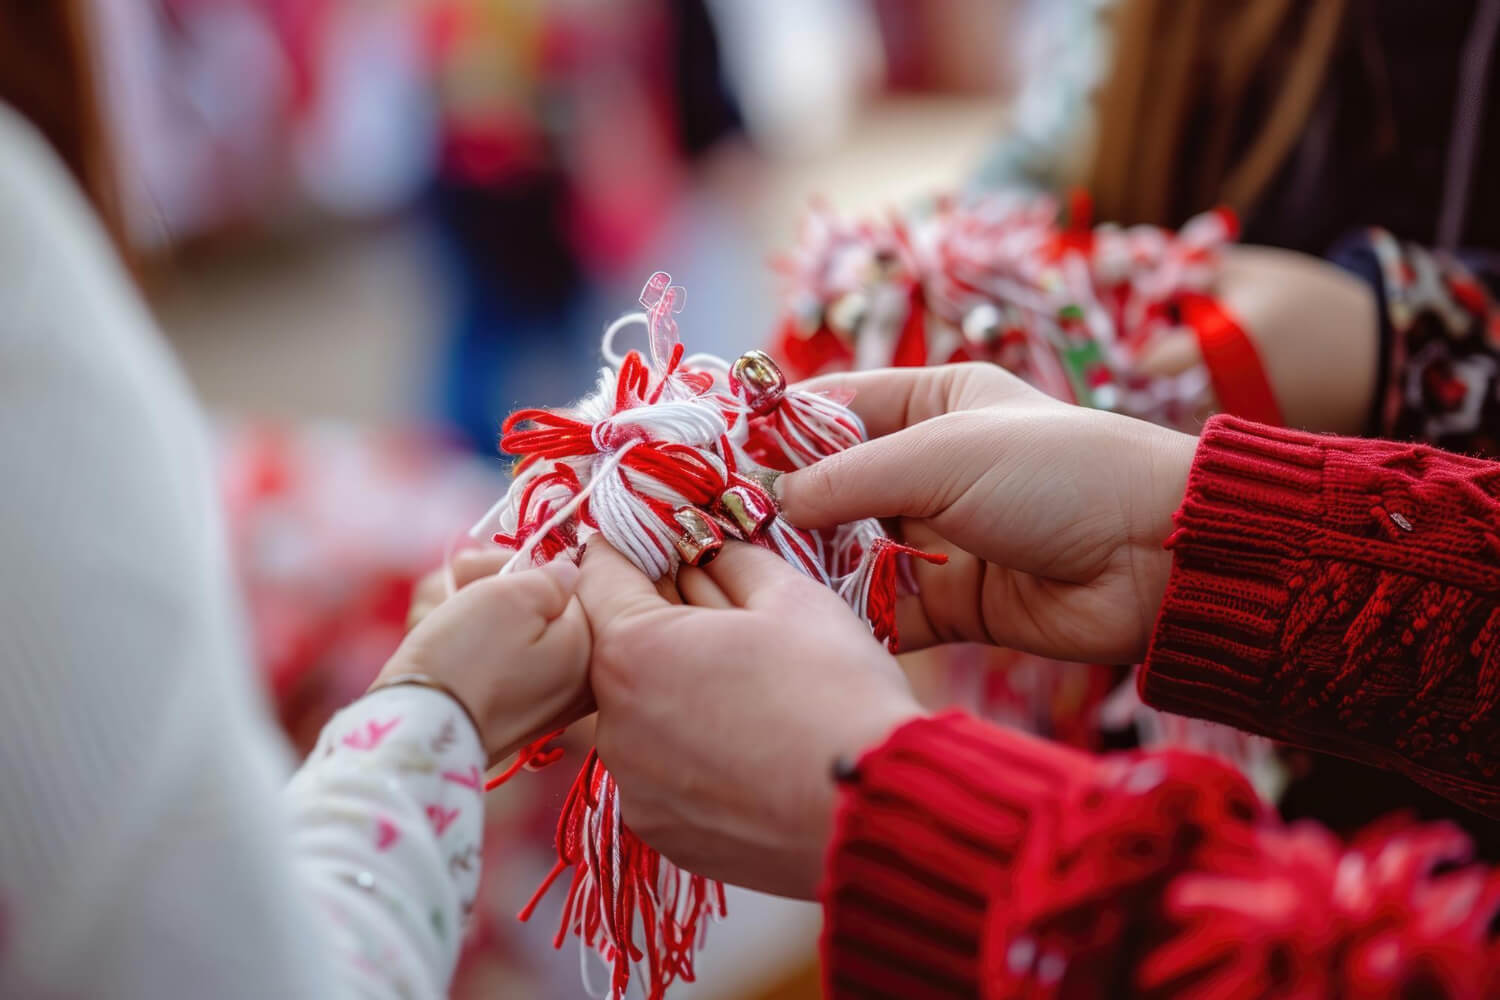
[
  {"x": 761, "y": 378},
  {"x": 701, "y": 539},
  {"x": 749, "y": 507}
]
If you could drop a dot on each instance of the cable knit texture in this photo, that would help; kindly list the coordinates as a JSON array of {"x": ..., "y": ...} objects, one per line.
[
  {"x": 1335, "y": 593},
  {"x": 973, "y": 861},
  {"x": 1341, "y": 595}
]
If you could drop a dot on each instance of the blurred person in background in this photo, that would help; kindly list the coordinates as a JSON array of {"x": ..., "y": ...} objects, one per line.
[
  {"x": 1353, "y": 138},
  {"x": 150, "y": 843},
  {"x": 1318, "y": 122}
]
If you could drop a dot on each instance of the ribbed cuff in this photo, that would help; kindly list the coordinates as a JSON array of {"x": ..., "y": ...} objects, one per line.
[
  {"x": 929, "y": 827},
  {"x": 1254, "y": 505}
]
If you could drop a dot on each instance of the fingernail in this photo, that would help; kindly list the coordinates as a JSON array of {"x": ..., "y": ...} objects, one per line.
[{"x": 563, "y": 572}]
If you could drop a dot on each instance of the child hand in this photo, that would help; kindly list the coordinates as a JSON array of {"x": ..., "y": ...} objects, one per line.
[
  {"x": 514, "y": 649},
  {"x": 463, "y": 569}
]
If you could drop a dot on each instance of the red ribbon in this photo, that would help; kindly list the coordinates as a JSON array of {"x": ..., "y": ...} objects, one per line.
[{"x": 1234, "y": 365}]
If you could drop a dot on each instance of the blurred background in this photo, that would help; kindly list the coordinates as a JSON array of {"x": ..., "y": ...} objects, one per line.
[{"x": 372, "y": 228}]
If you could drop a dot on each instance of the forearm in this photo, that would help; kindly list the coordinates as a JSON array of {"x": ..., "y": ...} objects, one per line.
[
  {"x": 387, "y": 825},
  {"x": 1317, "y": 330},
  {"x": 1338, "y": 594}
]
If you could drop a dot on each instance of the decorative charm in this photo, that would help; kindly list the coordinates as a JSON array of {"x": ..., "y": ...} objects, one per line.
[
  {"x": 1074, "y": 309},
  {"x": 666, "y": 459}
]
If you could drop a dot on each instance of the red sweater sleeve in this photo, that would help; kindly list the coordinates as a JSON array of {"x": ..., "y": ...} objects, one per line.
[
  {"x": 1342, "y": 595},
  {"x": 970, "y": 861}
]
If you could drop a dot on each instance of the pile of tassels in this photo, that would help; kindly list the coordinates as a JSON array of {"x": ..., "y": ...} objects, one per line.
[
  {"x": 1082, "y": 312},
  {"x": 668, "y": 457}
]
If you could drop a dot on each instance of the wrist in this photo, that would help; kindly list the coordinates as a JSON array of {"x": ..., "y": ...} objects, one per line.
[
  {"x": 498, "y": 734},
  {"x": 862, "y": 733},
  {"x": 1168, "y": 464}
]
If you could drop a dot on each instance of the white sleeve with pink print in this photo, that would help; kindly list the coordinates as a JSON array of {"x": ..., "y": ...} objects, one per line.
[
  {"x": 387, "y": 816},
  {"x": 149, "y": 846}
]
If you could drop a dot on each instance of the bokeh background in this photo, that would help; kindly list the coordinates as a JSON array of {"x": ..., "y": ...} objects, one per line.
[{"x": 371, "y": 228}]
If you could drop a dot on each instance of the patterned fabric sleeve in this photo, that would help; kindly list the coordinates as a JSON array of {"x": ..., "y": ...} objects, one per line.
[
  {"x": 1439, "y": 379},
  {"x": 387, "y": 816}
]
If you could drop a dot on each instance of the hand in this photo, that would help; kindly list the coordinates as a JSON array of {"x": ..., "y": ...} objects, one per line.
[
  {"x": 1053, "y": 516},
  {"x": 722, "y": 721},
  {"x": 514, "y": 649},
  {"x": 463, "y": 569}
]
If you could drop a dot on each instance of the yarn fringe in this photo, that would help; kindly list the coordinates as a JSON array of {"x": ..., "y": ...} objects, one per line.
[{"x": 668, "y": 457}]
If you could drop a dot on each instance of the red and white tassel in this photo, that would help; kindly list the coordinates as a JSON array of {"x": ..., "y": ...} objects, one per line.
[{"x": 666, "y": 459}]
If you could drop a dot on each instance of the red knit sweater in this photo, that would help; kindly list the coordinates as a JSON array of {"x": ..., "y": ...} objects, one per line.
[{"x": 1339, "y": 594}]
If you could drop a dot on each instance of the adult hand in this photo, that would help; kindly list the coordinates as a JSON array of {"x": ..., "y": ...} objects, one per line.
[
  {"x": 514, "y": 649},
  {"x": 1053, "y": 516},
  {"x": 721, "y": 721}
]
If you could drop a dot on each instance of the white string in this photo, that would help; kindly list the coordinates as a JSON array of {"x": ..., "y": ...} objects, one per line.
[
  {"x": 567, "y": 510},
  {"x": 482, "y": 526},
  {"x": 608, "y": 347}
]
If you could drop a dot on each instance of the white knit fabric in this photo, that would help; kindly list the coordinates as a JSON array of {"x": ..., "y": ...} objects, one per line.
[{"x": 148, "y": 846}]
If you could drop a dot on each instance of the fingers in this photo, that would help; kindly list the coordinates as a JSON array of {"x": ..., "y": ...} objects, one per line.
[
  {"x": 913, "y": 630},
  {"x": 610, "y": 587},
  {"x": 427, "y": 595},
  {"x": 700, "y": 590},
  {"x": 750, "y": 576},
  {"x": 543, "y": 592},
  {"x": 465, "y": 567},
  {"x": 916, "y": 472},
  {"x": 474, "y": 564},
  {"x": 892, "y": 398}
]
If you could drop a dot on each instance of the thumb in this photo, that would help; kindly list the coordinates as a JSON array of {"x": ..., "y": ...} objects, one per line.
[
  {"x": 917, "y": 472},
  {"x": 543, "y": 593}
]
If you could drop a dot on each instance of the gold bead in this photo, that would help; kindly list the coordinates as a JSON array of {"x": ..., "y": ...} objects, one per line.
[
  {"x": 763, "y": 477},
  {"x": 749, "y": 507},
  {"x": 701, "y": 539},
  {"x": 762, "y": 380}
]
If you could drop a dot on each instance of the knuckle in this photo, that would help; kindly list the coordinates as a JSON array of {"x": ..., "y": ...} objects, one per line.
[{"x": 984, "y": 383}]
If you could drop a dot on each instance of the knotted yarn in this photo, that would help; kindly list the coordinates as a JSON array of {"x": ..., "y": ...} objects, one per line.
[
  {"x": 1077, "y": 310},
  {"x": 668, "y": 457}
]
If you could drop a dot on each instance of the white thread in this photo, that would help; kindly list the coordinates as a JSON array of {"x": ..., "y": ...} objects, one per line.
[
  {"x": 679, "y": 421},
  {"x": 607, "y": 348},
  {"x": 482, "y": 526},
  {"x": 567, "y": 511}
]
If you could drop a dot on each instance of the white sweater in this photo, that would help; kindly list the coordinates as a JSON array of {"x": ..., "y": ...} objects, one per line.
[{"x": 149, "y": 844}]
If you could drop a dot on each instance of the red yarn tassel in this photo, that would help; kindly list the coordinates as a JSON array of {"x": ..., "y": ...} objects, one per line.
[
  {"x": 871, "y": 590},
  {"x": 620, "y": 886}
]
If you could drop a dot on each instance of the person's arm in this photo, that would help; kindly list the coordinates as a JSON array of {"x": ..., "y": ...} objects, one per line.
[
  {"x": 1342, "y": 595},
  {"x": 1334, "y": 592},
  {"x": 972, "y": 861},
  {"x": 1317, "y": 331},
  {"x": 146, "y": 846},
  {"x": 1385, "y": 339}
]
